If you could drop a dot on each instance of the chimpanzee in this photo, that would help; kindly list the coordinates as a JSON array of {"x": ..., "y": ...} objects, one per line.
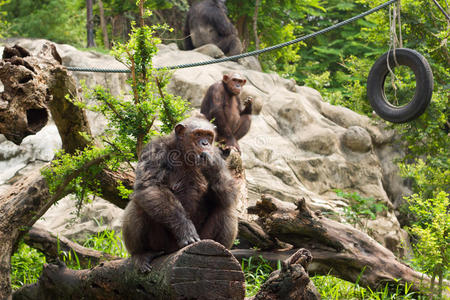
[
  {"x": 223, "y": 105},
  {"x": 206, "y": 23},
  {"x": 183, "y": 193}
]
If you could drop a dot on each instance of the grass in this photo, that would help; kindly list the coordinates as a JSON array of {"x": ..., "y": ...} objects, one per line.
[
  {"x": 26, "y": 265},
  {"x": 333, "y": 288},
  {"x": 256, "y": 271}
]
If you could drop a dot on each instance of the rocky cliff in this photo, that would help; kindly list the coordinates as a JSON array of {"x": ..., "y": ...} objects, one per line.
[{"x": 298, "y": 146}]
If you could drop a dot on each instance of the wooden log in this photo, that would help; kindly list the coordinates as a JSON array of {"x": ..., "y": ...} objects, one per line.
[
  {"x": 54, "y": 247},
  {"x": 204, "y": 270},
  {"x": 338, "y": 249}
]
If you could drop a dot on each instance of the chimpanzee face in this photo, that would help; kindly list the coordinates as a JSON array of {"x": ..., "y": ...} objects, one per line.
[
  {"x": 196, "y": 137},
  {"x": 202, "y": 140},
  {"x": 234, "y": 83}
]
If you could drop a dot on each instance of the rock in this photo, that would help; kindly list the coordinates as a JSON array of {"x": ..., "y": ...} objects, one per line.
[
  {"x": 94, "y": 217},
  {"x": 357, "y": 139},
  {"x": 210, "y": 50},
  {"x": 251, "y": 63}
]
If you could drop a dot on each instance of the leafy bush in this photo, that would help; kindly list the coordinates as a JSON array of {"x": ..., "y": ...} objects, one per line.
[
  {"x": 432, "y": 230},
  {"x": 360, "y": 207}
]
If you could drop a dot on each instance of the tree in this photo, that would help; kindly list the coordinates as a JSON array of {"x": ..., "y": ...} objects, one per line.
[
  {"x": 26, "y": 20},
  {"x": 89, "y": 24}
]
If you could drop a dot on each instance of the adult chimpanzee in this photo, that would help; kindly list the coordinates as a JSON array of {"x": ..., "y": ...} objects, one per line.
[
  {"x": 223, "y": 105},
  {"x": 206, "y": 23},
  {"x": 183, "y": 193}
]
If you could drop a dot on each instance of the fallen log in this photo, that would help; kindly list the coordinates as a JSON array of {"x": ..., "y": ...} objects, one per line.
[
  {"x": 204, "y": 270},
  {"x": 55, "y": 247},
  {"x": 338, "y": 249}
]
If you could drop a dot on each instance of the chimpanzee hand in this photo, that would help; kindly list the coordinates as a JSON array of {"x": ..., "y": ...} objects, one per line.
[
  {"x": 248, "y": 101},
  {"x": 208, "y": 161},
  {"x": 212, "y": 163},
  {"x": 187, "y": 235}
]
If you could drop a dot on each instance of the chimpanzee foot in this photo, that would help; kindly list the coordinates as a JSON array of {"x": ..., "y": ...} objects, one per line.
[{"x": 143, "y": 261}]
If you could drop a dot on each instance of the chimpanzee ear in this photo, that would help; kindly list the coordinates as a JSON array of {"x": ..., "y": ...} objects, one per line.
[
  {"x": 179, "y": 129},
  {"x": 226, "y": 78}
]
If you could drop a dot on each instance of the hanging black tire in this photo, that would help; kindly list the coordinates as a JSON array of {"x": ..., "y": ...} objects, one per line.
[{"x": 424, "y": 86}]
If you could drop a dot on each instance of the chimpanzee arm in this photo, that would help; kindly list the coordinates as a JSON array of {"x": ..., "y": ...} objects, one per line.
[
  {"x": 155, "y": 198},
  {"x": 162, "y": 206},
  {"x": 222, "y": 184}
]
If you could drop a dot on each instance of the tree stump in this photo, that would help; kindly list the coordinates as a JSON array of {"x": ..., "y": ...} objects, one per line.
[{"x": 203, "y": 270}]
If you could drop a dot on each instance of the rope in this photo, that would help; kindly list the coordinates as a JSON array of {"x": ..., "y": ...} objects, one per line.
[
  {"x": 394, "y": 42},
  {"x": 251, "y": 53},
  {"x": 442, "y": 10}
]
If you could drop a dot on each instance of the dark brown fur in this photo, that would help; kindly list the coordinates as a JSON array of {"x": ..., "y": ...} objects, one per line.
[
  {"x": 207, "y": 22},
  {"x": 223, "y": 105},
  {"x": 183, "y": 192}
]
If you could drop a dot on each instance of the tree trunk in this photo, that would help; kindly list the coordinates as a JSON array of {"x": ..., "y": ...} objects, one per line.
[
  {"x": 204, "y": 270},
  {"x": 255, "y": 24},
  {"x": 242, "y": 28},
  {"x": 90, "y": 24},
  {"x": 141, "y": 13},
  {"x": 338, "y": 249},
  {"x": 103, "y": 25}
]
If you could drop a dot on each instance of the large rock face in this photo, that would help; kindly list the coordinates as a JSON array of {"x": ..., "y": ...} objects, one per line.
[{"x": 298, "y": 145}]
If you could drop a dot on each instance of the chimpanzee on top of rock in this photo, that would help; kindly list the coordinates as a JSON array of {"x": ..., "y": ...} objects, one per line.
[
  {"x": 183, "y": 192},
  {"x": 223, "y": 105},
  {"x": 207, "y": 23}
]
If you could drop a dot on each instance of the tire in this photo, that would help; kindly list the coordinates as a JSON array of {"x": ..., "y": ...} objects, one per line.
[{"x": 424, "y": 86}]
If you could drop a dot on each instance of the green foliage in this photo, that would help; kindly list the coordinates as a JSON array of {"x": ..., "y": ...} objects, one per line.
[
  {"x": 76, "y": 173},
  {"x": 3, "y": 23},
  {"x": 132, "y": 123},
  {"x": 256, "y": 271},
  {"x": 276, "y": 24},
  {"x": 432, "y": 249},
  {"x": 26, "y": 266},
  {"x": 107, "y": 241},
  {"x": 360, "y": 207},
  {"x": 62, "y": 21}
]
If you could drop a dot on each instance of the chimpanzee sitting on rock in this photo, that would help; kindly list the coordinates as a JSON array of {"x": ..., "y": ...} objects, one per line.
[
  {"x": 207, "y": 23},
  {"x": 222, "y": 105}
]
